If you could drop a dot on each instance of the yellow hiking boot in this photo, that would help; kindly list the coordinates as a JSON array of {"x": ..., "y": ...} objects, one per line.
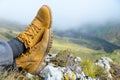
[
  {"x": 35, "y": 30},
  {"x": 33, "y": 59}
]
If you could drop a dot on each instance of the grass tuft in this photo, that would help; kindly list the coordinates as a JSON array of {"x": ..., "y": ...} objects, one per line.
[{"x": 92, "y": 70}]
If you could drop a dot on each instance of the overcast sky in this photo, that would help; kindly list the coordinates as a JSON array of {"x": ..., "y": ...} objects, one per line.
[{"x": 66, "y": 13}]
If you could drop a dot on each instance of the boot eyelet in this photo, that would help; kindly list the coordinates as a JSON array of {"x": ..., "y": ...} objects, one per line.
[
  {"x": 28, "y": 41},
  {"x": 32, "y": 37}
]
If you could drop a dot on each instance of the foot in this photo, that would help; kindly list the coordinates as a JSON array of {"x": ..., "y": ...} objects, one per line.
[{"x": 33, "y": 59}]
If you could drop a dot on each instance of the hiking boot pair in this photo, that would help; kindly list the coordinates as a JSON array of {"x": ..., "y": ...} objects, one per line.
[{"x": 37, "y": 40}]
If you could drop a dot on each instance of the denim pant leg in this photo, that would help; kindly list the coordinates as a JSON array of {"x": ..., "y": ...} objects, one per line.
[{"x": 6, "y": 54}]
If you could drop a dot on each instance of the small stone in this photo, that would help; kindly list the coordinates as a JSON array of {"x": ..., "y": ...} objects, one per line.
[
  {"x": 28, "y": 75},
  {"x": 78, "y": 59},
  {"x": 51, "y": 73}
]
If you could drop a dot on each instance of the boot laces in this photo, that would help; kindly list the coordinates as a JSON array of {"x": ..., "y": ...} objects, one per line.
[{"x": 32, "y": 30}]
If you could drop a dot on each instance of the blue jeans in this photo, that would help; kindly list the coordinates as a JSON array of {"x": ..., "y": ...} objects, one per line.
[{"x": 6, "y": 53}]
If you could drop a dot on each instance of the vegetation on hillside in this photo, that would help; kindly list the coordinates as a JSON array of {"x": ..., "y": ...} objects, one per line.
[
  {"x": 83, "y": 52},
  {"x": 106, "y": 36}
]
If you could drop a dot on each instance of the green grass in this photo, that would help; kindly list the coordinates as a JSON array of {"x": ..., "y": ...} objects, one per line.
[
  {"x": 92, "y": 70},
  {"x": 63, "y": 44},
  {"x": 3, "y": 37},
  {"x": 81, "y": 51},
  {"x": 7, "y": 34}
]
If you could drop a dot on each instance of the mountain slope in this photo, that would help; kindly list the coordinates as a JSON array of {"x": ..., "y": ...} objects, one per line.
[
  {"x": 89, "y": 41},
  {"x": 12, "y": 25},
  {"x": 109, "y": 31},
  {"x": 95, "y": 36}
]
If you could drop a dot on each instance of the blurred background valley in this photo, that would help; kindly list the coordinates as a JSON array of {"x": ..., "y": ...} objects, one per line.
[{"x": 89, "y": 28}]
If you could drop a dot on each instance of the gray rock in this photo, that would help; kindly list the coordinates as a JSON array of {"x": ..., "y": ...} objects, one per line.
[
  {"x": 104, "y": 62},
  {"x": 51, "y": 73}
]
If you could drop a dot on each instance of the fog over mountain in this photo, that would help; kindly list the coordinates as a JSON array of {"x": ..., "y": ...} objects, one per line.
[{"x": 66, "y": 13}]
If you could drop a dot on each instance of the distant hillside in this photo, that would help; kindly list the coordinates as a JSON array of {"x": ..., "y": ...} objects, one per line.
[
  {"x": 10, "y": 29},
  {"x": 99, "y": 37},
  {"x": 90, "y": 42},
  {"x": 7, "y": 33},
  {"x": 12, "y": 25},
  {"x": 109, "y": 31}
]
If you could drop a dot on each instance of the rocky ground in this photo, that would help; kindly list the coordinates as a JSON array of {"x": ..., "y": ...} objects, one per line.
[{"x": 65, "y": 66}]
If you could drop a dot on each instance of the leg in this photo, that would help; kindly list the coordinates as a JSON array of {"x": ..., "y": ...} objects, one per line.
[{"x": 6, "y": 53}]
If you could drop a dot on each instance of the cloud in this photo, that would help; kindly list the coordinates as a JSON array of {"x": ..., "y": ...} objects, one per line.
[{"x": 66, "y": 13}]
